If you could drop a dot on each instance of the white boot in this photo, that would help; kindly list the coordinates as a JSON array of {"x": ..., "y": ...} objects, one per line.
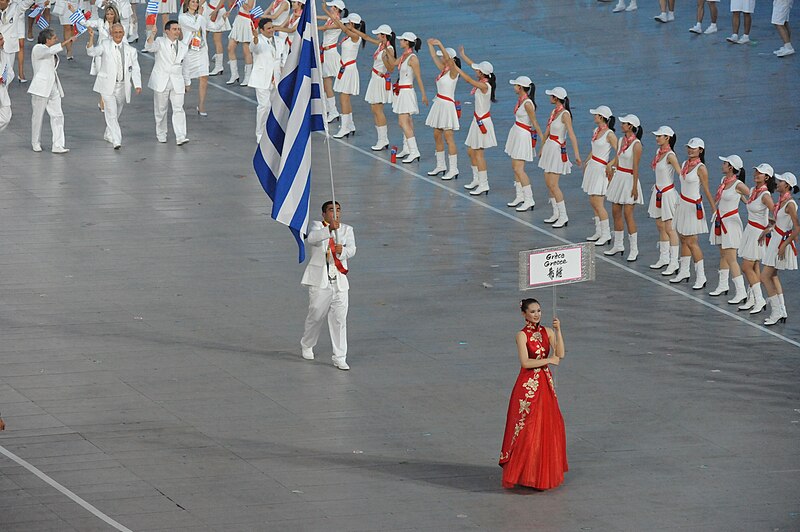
[
  {"x": 783, "y": 307},
  {"x": 527, "y": 199},
  {"x": 413, "y": 151},
  {"x": 759, "y": 302},
  {"x": 775, "y": 314},
  {"x": 441, "y": 167},
  {"x": 741, "y": 294},
  {"x": 333, "y": 112},
  {"x": 594, "y": 236},
  {"x": 554, "y": 217},
  {"x": 723, "y": 286},
  {"x": 383, "y": 138},
  {"x": 345, "y": 127},
  {"x": 683, "y": 271},
  {"x": 605, "y": 233},
  {"x": 672, "y": 267},
  {"x": 218, "y": 68},
  {"x": 620, "y": 7},
  {"x": 748, "y": 304},
  {"x": 234, "y": 66},
  {"x": 518, "y": 197},
  {"x": 563, "y": 219},
  {"x": 483, "y": 185},
  {"x": 633, "y": 242},
  {"x": 619, "y": 244},
  {"x": 632, "y": 6},
  {"x": 699, "y": 275},
  {"x": 663, "y": 255},
  {"x": 474, "y": 183},
  {"x": 452, "y": 173},
  {"x": 404, "y": 151}
]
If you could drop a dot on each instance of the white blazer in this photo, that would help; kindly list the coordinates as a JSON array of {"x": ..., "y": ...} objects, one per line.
[
  {"x": 317, "y": 271},
  {"x": 44, "y": 62},
  {"x": 107, "y": 73},
  {"x": 267, "y": 63},
  {"x": 9, "y": 20},
  {"x": 168, "y": 66}
]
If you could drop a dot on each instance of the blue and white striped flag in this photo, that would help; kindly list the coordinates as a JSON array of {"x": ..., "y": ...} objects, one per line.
[
  {"x": 152, "y": 7},
  {"x": 42, "y": 23},
  {"x": 256, "y": 13},
  {"x": 283, "y": 158},
  {"x": 35, "y": 11},
  {"x": 78, "y": 18}
]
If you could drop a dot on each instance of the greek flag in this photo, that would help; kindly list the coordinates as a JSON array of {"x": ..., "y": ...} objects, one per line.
[
  {"x": 42, "y": 23},
  {"x": 4, "y": 75},
  {"x": 152, "y": 7},
  {"x": 256, "y": 13},
  {"x": 35, "y": 11},
  {"x": 283, "y": 158},
  {"x": 77, "y": 17}
]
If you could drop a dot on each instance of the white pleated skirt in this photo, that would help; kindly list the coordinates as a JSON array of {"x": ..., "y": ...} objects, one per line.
[
  {"x": 376, "y": 90},
  {"x": 518, "y": 144},
  {"x": 750, "y": 249},
  {"x": 349, "y": 83},
  {"x": 731, "y": 239},
  {"x": 170, "y": 6},
  {"x": 686, "y": 221},
  {"x": 620, "y": 188},
  {"x": 789, "y": 260},
  {"x": 221, "y": 24},
  {"x": 405, "y": 102},
  {"x": 595, "y": 182},
  {"x": 550, "y": 160},
  {"x": 331, "y": 64},
  {"x": 669, "y": 204},
  {"x": 443, "y": 115},
  {"x": 241, "y": 30},
  {"x": 478, "y": 140}
]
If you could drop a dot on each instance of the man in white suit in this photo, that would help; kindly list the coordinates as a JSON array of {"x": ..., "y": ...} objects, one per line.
[
  {"x": 332, "y": 243},
  {"x": 166, "y": 80},
  {"x": 10, "y": 15},
  {"x": 46, "y": 91},
  {"x": 267, "y": 58},
  {"x": 6, "y": 77},
  {"x": 119, "y": 69}
]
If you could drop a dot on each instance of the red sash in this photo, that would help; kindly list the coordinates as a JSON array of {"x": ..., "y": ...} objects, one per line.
[
  {"x": 785, "y": 236},
  {"x": 529, "y": 129},
  {"x": 626, "y": 170},
  {"x": 323, "y": 49},
  {"x": 344, "y": 65},
  {"x": 659, "y": 192},
  {"x": 336, "y": 261},
  {"x": 563, "y": 147},
  {"x": 698, "y": 204},
  {"x": 599, "y": 160},
  {"x": 479, "y": 121},
  {"x": 398, "y": 88},
  {"x": 756, "y": 225},
  {"x": 719, "y": 224}
]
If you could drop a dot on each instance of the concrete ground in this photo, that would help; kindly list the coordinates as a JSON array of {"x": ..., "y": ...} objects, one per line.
[{"x": 150, "y": 311}]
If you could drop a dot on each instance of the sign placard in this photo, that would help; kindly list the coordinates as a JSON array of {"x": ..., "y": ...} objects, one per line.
[{"x": 557, "y": 265}]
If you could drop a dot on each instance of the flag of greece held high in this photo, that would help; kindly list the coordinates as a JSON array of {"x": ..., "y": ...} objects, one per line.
[
  {"x": 283, "y": 158},
  {"x": 152, "y": 7},
  {"x": 42, "y": 23},
  {"x": 256, "y": 13}
]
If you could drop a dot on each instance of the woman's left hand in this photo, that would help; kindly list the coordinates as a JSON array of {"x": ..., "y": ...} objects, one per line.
[
  {"x": 782, "y": 252},
  {"x": 635, "y": 193},
  {"x": 556, "y": 325}
]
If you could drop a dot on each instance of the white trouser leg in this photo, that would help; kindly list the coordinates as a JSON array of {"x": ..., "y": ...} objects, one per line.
[
  {"x": 178, "y": 115},
  {"x": 337, "y": 323},
  {"x": 319, "y": 303},
  {"x": 5, "y": 116},
  {"x": 262, "y": 111},
  {"x": 114, "y": 104},
  {"x": 38, "y": 105},
  {"x": 160, "y": 103},
  {"x": 56, "y": 118}
]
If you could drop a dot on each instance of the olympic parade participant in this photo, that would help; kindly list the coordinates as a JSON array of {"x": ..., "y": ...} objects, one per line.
[
  {"x": 443, "y": 115},
  {"x": 781, "y": 252},
  {"x": 664, "y": 200},
  {"x": 595, "y": 181},
  {"x": 241, "y": 32},
  {"x": 216, "y": 24},
  {"x": 329, "y": 53},
  {"x": 404, "y": 104},
  {"x": 522, "y": 140},
  {"x": 379, "y": 89},
  {"x": 347, "y": 80},
  {"x": 759, "y": 204},
  {"x": 195, "y": 65}
]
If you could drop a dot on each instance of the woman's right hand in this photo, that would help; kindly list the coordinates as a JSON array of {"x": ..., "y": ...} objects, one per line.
[{"x": 553, "y": 360}]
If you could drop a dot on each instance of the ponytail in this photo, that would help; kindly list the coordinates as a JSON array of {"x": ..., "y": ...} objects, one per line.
[
  {"x": 770, "y": 184},
  {"x": 492, "y": 81},
  {"x": 532, "y": 93},
  {"x": 611, "y": 122},
  {"x": 703, "y": 155},
  {"x": 416, "y": 45},
  {"x": 565, "y": 101},
  {"x": 672, "y": 140},
  {"x": 638, "y": 132},
  {"x": 363, "y": 29},
  {"x": 344, "y": 13},
  {"x": 795, "y": 189},
  {"x": 457, "y": 61},
  {"x": 741, "y": 174},
  {"x": 392, "y": 41}
]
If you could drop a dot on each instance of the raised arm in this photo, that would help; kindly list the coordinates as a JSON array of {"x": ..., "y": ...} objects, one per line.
[
  {"x": 483, "y": 86},
  {"x": 432, "y": 50},
  {"x": 366, "y": 37},
  {"x": 464, "y": 56}
]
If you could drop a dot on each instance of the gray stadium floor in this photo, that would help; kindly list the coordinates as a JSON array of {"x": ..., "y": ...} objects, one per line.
[{"x": 150, "y": 312}]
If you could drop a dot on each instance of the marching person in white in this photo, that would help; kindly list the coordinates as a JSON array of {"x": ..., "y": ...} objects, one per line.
[
  {"x": 698, "y": 27},
  {"x": 481, "y": 130},
  {"x": 521, "y": 142},
  {"x": 195, "y": 65},
  {"x": 759, "y": 204},
  {"x": 216, "y": 23},
  {"x": 166, "y": 81},
  {"x": 125, "y": 11},
  {"x": 727, "y": 227},
  {"x": 119, "y": 70},
  {"x": 241, "y": 32},
  {"x": 379, "y": 90},
  {"x": 332, "y": 243},
  {"x": 404, "y": 104},
  {"x": 781, "y": 252},
  {"x": 329, "y": 55},
  {"x": 6, "y": 77},
  {"x": 347, "y": 82},
  {"x": 10, "y": 15},
  {"x": 595, "y": 182},
  {"x": 103, "y": 26},
  {"x": 664, "y": 200},
  {"x": 443, "y": 115},
  {"x": 625, "y": 188},
  {"x": 46, "y": 91},
  {"x": 267, "y": 52}
]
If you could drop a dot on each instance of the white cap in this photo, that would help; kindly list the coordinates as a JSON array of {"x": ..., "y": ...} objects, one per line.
[
  {"x": 664, "y": 130},
  {"x": 603, "y": 110},
  {"x": 336, "y": 3},
  {"x": 630, "y": 119},
  {"x": 408, "y": 36},
  {"x": 484, "y": 66},
  {"x": 355, "y": 18},
  {"x": 383, "y": 29},
  {"x": 788, "y": 178},
  {"x": 558, "y": 92},
  {"x": 765, "y": 168},
  {"x": 733, "y": 160},
  {"x": 696, "y": 142},
  {"x": 451, "y": 52},
  {"x": 522, "y": 81}
]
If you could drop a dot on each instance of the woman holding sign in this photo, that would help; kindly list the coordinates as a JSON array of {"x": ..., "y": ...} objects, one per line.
[{"x": 534, "y": 452}]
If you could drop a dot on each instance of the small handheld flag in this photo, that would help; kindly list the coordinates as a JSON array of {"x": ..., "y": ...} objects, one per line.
[
  {"x": 36, "y": 11},
  {"x": 4, "y": 75},
  {"x": 42, "y": 23},
  {"x": 255, "y": 14},
  {"x": 151, "y": 11}
]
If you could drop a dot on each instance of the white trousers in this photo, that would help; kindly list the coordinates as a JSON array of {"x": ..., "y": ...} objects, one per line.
[
  {"x": 5, "y": 110},
  {"x": 160, "y": 102},
  {"x": 53, "y": 107},
  {"x": 114, "y": 104},
  {"x": 332, "y": 302},
  {"x": 262, "y": 111}
]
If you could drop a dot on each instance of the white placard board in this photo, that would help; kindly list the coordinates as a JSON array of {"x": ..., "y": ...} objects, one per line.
[{"x": 542, "y": 267}]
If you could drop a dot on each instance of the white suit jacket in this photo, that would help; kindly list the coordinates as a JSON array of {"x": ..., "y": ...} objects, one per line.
[
  {"x": 44, "y": 60},
  {"x": 267, "y": 63},
  {"x": 317, "y": 271},
  {"x": 9, "y": 19},
  {"x": 107, "y": 74},
  {"x": 168, "y": 66}
]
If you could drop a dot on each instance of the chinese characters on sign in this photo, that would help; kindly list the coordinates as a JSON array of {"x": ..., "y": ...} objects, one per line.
[{"x": 559, "y": 265}]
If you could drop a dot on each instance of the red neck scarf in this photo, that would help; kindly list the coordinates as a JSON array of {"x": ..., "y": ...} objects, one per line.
[
  {"x": 403, "y": 57},
  {"x": 381, "y": 47},
  {"x": 783, "y": 199},
  {"x": 520, "y": 102},
  {"x": 689, "y": 165},
  {"x": 722, "y": 186},
  {"x": 627, "y": 140},
  {"x": 554, "y": 114},
  {"x": 660, "y": 154},
  {"x": 275, "y": 6},
  {"x": 442, "y": 73},
  {"x": 600, "y": 130},
  {"x": 756, "y": 192}
]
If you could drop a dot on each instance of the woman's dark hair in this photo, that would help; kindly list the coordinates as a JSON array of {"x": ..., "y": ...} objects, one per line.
[
  {"x": 492, "y": 81},
  {"x": 416, "y": 45},
  {"x": 610, "y": 122},
  {"x": 770, "y": 182},
  {"x": 363, "y": 29},
  {"x": 531, "y": 93},
  {"x": 638, "y": 130},
  {"x": 525, "y": 303},
  {"x": 392, "y": 40},
  {"x": 44, "y": 35},
  {"x": 672, "y": 141},
  {"x": 344, "y": 12},
  {"x": 703, "y": 155},
  {"x": 186, "y": 7},
  {"x": 457, "y": 61},
  {"x": 114, "y": 10},
  {"x": 565, "y": 103},
  {"x": 795, "y": 189},
  {"x": 741, "y": 174}
]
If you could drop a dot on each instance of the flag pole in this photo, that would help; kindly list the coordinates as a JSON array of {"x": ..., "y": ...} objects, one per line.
[{"x": 324, "y": 98}]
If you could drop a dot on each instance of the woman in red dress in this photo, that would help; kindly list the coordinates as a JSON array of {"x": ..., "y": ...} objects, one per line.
[{"x": 534, "y": 452}]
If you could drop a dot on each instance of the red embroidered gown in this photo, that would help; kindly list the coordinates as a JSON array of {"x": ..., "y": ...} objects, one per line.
[{"x": 534, "y": 449}]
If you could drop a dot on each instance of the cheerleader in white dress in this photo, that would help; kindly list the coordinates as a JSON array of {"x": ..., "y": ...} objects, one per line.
[
  {"x": 690, "y": 219},
  {"x": 481, "y": 130},
  {"x": 195, "y": 65},
  {"x": 625, "y": 189},
  {"x": 216, "y": 23},
  {"x": 595, "y": 182},
  {"x": 664, "y": 200},
  {"x": 346, "y": 82},
  {"x": 726, "y": 227},
  {"x": 443, "y": 115},
  {"x": 329, "y": 54},
  {"x": 379, "y": 90},
  {"x": 554, "y": 160},
  {"x": 241, "y": 32},
  {"x": 404, "y": 103},
  {"x": 759, "y": 204},
  {"x": 781, "y": 252},
  {"x": 522, "y": 140}
]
